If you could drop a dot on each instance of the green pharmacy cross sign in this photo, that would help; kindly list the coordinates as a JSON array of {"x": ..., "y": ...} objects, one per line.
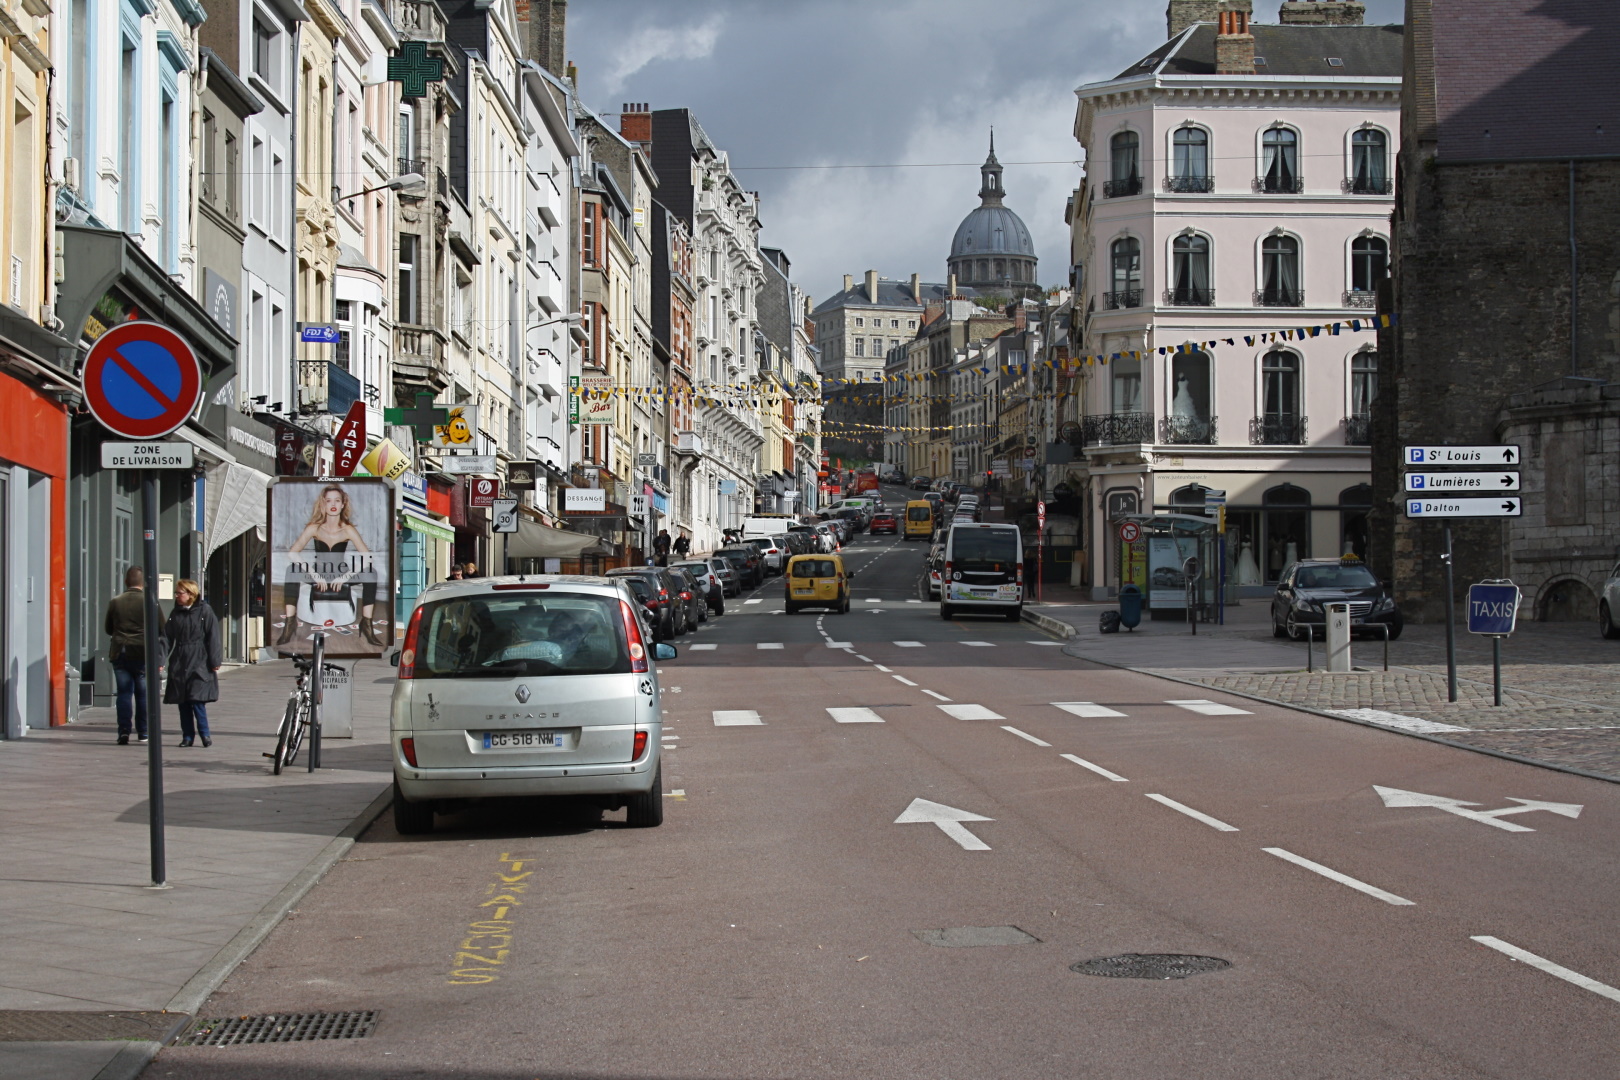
[
  {"x": 413, "y": 69},
  {"x": 424, "y": 416}
]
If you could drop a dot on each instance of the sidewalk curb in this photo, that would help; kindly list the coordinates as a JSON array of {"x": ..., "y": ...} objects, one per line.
[
  {"x": 130, "y": 1062},
  {"x": 1504, "y": 755},
  {"x": 1064, "y": 630}
]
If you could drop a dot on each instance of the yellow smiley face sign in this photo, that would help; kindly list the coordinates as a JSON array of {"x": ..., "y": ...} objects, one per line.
[{"x": 459, "y": 429}]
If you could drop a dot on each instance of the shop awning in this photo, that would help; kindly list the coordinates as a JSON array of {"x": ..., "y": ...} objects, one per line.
[
  {"x": 235, "y": 503},
  {"x": 427, "y": 526},
  {"x": 536, "y": 541}
]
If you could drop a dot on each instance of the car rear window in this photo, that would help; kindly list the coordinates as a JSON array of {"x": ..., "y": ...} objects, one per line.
[
  {"x": 919, "y": 513},
  {"x": 522, "y": 635},
  {"x": 814, "y": 568},
  {"x": 984, "y": 550},
  {"x": 738, "y": 553}
]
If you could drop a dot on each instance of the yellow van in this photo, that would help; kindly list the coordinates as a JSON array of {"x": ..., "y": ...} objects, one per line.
[
  {"x": 816, "y": 581},
  {"x": 919, "y": 519}
]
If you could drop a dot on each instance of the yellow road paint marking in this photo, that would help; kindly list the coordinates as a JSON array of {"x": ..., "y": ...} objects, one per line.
[{"x": 483, "y": 952}]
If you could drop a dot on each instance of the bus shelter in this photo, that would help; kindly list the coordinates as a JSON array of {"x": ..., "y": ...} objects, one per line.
[{"x": 1154, "y": 549}]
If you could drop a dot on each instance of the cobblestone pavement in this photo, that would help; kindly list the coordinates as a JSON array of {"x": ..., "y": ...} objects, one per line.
[{"x": 1560, "y": 681}]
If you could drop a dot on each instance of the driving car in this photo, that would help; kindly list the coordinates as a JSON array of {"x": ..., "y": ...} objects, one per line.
[
  {"x": 672, "y": 610},
  {"x": 816, "y": 581},
  {"x": 829, "y": 536},
  {"x": 884, "y": 522},
  {"x": 855, "y": 516},
  {"x": 1299, "y": 605},
  {"x": 983, "y": 572},
  {"x": 748, "y": 561},
  {"x": 919, "y": 519},
  {"x": 691, "y": 594},
  {"x": 936, "y": 565},
  {"x": 527, "y": 686},
  {"x": 713, "y": 591}
]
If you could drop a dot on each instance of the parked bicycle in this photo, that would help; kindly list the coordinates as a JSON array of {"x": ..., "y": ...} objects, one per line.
[{"x": 303, "y": 716}]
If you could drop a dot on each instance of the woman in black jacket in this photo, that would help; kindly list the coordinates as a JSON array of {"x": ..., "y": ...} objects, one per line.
[{"x": 192, "y": 633}]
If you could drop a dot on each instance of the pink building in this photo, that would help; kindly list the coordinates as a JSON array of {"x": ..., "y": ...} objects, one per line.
[{"x": 1238, "y": 182}]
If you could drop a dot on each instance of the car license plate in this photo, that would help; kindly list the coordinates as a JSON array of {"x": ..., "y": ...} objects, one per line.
[
  {"x": 804, "y": 592},
  {"x": 524, "y": 740}
]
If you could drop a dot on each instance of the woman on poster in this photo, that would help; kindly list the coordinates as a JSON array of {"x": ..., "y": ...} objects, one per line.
[{"x": 332, "y": 531}]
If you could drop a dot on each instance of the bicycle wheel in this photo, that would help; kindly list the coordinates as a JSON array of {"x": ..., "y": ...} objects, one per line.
[
  {"x": 289, "y": 722},
  {"x": 295, "y": 736}
]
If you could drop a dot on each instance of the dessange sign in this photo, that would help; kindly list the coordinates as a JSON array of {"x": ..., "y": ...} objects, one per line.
[{"x": 584, "y": 499}]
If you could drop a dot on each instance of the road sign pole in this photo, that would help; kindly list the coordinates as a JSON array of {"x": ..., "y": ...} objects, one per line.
[
  {"x": 1496, "y": 667},
  {"x": 1451, "y": 624},
  {"x": 154, "y": 680}
]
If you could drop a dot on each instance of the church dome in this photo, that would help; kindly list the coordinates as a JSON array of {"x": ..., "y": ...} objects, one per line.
[{"x": 992, "y": 230}]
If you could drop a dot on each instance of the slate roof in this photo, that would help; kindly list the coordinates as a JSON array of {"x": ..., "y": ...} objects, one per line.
[
  {"x": 1288, "y": 51},
  {"x": 891, "y": 294}
]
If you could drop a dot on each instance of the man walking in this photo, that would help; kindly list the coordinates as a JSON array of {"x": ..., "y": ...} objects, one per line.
[
  {"x": 126, "y": 627},
  {"x": 661, "y": 547},
  {"x": 683, "y": 545}
]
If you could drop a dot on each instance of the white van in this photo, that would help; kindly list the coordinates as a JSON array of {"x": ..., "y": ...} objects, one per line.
[
  {"x": 775, "y": 525},
  {"x": 983, "y": 571}
]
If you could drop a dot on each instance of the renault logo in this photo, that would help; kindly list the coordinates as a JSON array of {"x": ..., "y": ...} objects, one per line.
[{"x": 522, "y": 694}]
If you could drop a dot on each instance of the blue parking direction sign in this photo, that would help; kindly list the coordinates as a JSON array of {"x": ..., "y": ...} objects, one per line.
[
  {"x": 1441, "y": 506},
  {"x": 1462, "y": 481},
  {"x": 141, "y": 380},
  {"x": 1493, "y": 608},
  {"x": 1460, "y": 455}
]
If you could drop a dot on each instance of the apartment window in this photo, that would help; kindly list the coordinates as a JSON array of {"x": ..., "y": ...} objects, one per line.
[
  {"x": 860, "y": 346},
  {"x": 128, "y": 136},
  {"x": 277, "y": 211},
  {"x": 1369, "y": 163},
  {"x": 233, "y": 177},
  {"x": 409, "y": 251},
  {"x": 1369, "y": 263},
  {"x": 1127, "y": 388},
  {"x": 1126, "y": 259},
  {"x": 587, "y": 236},
  {"x": 1279, "y": 374},
  {"x": 209, "y": 182},
  {"x": 1190, "y": 157},
  {"x": 169, "y": 167},
  {"x": 1279, "y": 270},
  {"x": 1190, "y": 420},
  {"x": 1190, "y": 270},
  {"x": 1125, "y": 165},
  {"x": 264, "y": 54},
  {"x": 894, "y": 324},
  {"x": 1363, "y": 382},
  {"x": 1279, "y": 162},
  {"x": 911, "y": 324},
  {"x": 714, "y": 317},
  {"x": 405, "y": 140},
  {"x": 24, "y": 169},
  {"x": 80, "y": 84},
  {"x": 860, "y": 321}
]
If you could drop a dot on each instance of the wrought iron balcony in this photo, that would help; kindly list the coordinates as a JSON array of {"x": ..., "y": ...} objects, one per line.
[
  {"x": 1115, "y": 429},
  {"x": 1279, "y": 184},
  {"x": 1367, "y": 185},
  {"x": 1187, "y": 296},
  {"x": 405, "y": 165},
  {"x": 1358, "y": 430},
  {"x": 1277, "y": 431},
  {"x": 1127, "y": 298},
  {"x": 1189, "y": 184},
  {"x": 1114, "y": 189},
  {"x": 1279, "y": 298},
  {"x": 1189, "y": 430},
  {"x": 1358, "y": 298}
]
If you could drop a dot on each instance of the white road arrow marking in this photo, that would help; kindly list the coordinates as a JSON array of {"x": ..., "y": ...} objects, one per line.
[
  {"x": 948, "y": 818},
  {"x": 1397, "y": 797}
]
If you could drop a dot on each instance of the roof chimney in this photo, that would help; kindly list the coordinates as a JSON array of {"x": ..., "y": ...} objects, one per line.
[
  {"x": 950, "y": 287},
  {"x": 1183, "y": 13},
  {"x": 849, "y": 282},
  {"x": 871, "y": 286},
  {"x": 1322, "y": 13},
  {"x": 635, "y": 122},
  {"x": 1234, "y": 45},
  {"x": 916, "y": 287}
]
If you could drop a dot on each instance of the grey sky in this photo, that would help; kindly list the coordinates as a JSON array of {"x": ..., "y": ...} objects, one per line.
[{"x": 838, "y": 82}]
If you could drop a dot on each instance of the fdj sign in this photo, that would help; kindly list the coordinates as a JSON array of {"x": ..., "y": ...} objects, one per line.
[{"x": 1493, "y": 608}]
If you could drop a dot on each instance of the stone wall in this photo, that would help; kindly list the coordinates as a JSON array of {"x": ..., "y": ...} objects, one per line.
[{"x": 1322, "y": 13}]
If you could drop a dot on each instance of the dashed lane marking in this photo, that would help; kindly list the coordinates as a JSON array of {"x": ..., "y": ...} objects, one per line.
[
  {"x": 971, "y": 712},
  {"x": 1205, "y": 707},
  {"x": 868, "y": 659},
  {"x": 703, "y": 648},
  {"x": 1026, "y": 736},
  {"x": 913, "y": 601},
  {"x": 1088, "y": 709},
  {"x": 883, "y": 669},
  {"x": 737, "y": 718},
  {"x": 978, "y": 644},
  {"x": 1052, "y": 644},
  {"x": 1557, "y": 971},
  {"x": 902, "y": 678},
  {"x": 1214, "y": 823},
  {"x": 855, "y": 716},
  {"x": 1098, "y": 769},
  {"x": 909, "y": 644},
  {"x": 1334, "y": 875},
  {"x": 935, "y": 693},
  {"x": 768, "y": 645}
]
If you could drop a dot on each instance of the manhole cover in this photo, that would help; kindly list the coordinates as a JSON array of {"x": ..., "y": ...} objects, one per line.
[
  {"x": 1150, "y": 966},
  {"x": 966, "y": 937},
  {"x": 287, "y": 1027},
  {"x": 27, "y": 1025}
]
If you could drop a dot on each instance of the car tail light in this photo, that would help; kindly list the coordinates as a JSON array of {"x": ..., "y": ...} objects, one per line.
[
  {"x": 640, "y": 747},
  {"x": 685, "y": 595},
  {"x": 947, "y": 569},
  {"x": 632, "y": 634},
  {"x": 1020, "y": 566},
  {"x": 407, "y": 655},
  {"x": 408, "y": 748}
]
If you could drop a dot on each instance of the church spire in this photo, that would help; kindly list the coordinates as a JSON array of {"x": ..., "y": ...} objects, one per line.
[{"x": 990, "y": 190}]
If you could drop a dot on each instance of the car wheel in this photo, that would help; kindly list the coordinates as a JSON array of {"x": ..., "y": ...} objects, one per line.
[
  {"x": 790, "y": 609},
  {"x": 1297, "y": 631},
  {"x": 945, "y": 612},
  {"x": 411, "y": 818},
  {"x": 1397, "y": 624},
  {"x": 1606, "y": 625},
  {"x": 1277, "y": 628},
  {"x": 1016, "y": 614},
  {"x": 645, "y": 810}
]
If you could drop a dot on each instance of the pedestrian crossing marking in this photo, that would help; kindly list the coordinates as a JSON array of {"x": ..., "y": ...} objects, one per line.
[
  {"x": 913, "y": 601},
  {"x": 855, "y": 716},
  {"x": 1089, "y": 710},
  {"x": 873, "y": 600},
  {"x": 978, "y": 644},
  {"x": 768, "y": 645},
  {"x": 840, "y": 645},
  {"x": 755, "y": 600},
  {"x": 1205, "y": 707},
  {"x": 737, "y": 718},
  {"x": 1053, "y": 644},
  {"x": 970, "y": 712},
  {"x": 909, "y": 644},
  {"x": 703, "y": 648}
]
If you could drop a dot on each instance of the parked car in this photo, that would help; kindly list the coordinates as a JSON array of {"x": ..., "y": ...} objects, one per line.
[
  {"x": 771, "y": 550},
  {"x": 884, "y": 522},
  {"x": 1299, "y": 606},
  {"x": 935, "y": 566},
  {"x": 714, "y": 591},
  {"x": 1609, "y": 605},
  {"x": 816, "y": 581},
  {"x": 830, "y": 538},
  {"x": 691, "y": 595},
  {"x": 671, "y": 609},
  {"x": 921, "y": 483},
  {"x": 646, "y": 593},
  {"x": 748, "y": 561},
  {"x": 811, "y": 537},
  {"x": 518, "y": 687},
  {"x": 729, "y": 574},
  {"x": 856, "y": 518}
]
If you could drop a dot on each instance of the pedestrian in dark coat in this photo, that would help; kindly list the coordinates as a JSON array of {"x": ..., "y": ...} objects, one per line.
[
  {"x": 126, "y": 634},
  {"x": 192, "y": 634}
]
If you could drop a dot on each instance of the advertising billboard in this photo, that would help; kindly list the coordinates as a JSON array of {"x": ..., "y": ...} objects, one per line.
[{"x": 331, "y": 565}]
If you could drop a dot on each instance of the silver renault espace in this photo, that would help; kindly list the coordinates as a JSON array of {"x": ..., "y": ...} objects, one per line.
[{"x": 524, "y": 686}]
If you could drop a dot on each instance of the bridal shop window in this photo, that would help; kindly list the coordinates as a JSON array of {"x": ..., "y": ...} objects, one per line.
[
  {"x": 1188, "y": 500},
  {"x": 1355, "y": 504},
  {"x": 1127, "y": 376},
  {"x": 1190, "y": 419},
  {"x": 1287, "y": 528}
]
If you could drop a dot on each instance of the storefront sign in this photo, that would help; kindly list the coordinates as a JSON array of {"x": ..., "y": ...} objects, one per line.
[
  {"x": 597, "y": 402},
  {"x": 585, "y": 499},
  {"x": 386, "y": 460},
  {"x": 482, "y": 492},
  {"x": 468, "y": 464},
  {"x": 521, "y": 475},
  {"x": 458, "y": 430},
  {"x": 413, "y": 488},
  {"x": 331, "y": 565},
  {"x": 350, "y": 442}
]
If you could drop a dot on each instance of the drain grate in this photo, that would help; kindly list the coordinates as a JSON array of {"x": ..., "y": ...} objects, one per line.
[
  {"x": 1150, "y": 966},
  {"x": 287, "y": 1027}
]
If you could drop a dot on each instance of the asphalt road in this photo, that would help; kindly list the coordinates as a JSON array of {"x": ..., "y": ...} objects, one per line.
[{"x": 782, "y": 923}]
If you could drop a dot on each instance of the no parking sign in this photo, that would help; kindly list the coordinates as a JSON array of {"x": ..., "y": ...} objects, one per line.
[{"x": 141, "y": 380}]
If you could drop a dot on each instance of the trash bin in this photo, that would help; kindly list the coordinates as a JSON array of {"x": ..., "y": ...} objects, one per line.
[
  {"x": 73, "y": 681},
  {"x": 1130, "y": 606},
  {"x": 1338, "y": 637}
]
